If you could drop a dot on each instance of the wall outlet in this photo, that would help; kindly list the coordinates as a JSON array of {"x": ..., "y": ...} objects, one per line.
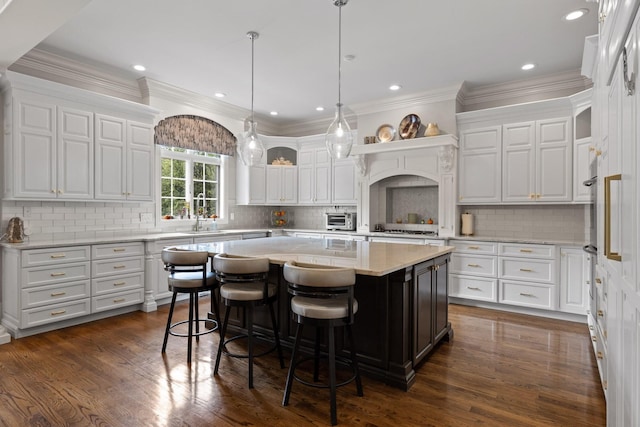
[
  {"x": 146, "y": 217},
  {"x": 26, "y": 212}
]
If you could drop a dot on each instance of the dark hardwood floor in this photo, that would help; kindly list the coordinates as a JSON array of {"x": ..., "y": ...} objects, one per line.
[{"x": 501, "y": 369}]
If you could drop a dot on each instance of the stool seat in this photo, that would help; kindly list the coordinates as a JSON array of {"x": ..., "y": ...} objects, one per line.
[
  {"x": 315, "y": 308},
  {"x": 246, "y": 291},
  {"x": 192, "y": 280}
]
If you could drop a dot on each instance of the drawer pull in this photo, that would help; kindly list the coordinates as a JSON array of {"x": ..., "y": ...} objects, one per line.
[
  {"x": 526, "y": 270},
  {"x": 600, "y": 355},
  {"x": 58, "y": 274},
  {"x": 58, "y": 294},
  {"x": 119, "y": 283},
  {"x": 56, "y": 256},
  {"x": 473, "y": 265},
  {"x": 598, "y": 281},
  {"x": 594, "y": 338},
  {"x": 526, "y": 251},
  {"x": 119, "y": 266},
  {"x": 59, "y": 312},
  {"x": 600, "y": 313},
  {"x": 524, "y": 294},
  {"x": 473, "y": 247},
  {"x": 119, "y": 249},
  {"x": 119, "y": 300},
  {"x": 474, "y": 288}
]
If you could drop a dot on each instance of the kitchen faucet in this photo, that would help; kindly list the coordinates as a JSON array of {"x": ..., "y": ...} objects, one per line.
[{"x": 204, "y": 204}]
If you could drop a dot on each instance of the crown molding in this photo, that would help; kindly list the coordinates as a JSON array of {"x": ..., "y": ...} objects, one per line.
[
  {"x": 407, "y": 101},
  {"x": 512, "y": 92},
  {"x": 50, "y": 66}
]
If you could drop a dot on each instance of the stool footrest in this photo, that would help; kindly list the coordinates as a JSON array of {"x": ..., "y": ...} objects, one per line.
[
  {"x": 195, "y": 334},
  {"x": 344, "y": 360},
  {"x": 246, "y": 355}
]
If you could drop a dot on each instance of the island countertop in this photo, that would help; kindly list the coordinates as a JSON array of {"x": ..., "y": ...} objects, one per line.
[{"x": 367, "y": 258}]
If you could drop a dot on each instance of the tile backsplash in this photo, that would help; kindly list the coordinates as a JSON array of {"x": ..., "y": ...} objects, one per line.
[{"x": 547, "y": 222}]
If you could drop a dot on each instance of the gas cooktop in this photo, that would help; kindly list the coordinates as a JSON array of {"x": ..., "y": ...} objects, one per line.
[{"x": 421, "y": 232}]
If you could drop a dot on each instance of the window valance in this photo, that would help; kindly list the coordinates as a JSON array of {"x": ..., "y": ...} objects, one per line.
[{"x": 195, "y": 133}]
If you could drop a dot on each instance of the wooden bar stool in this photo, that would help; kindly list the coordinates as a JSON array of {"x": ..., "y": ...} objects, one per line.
[
  {"x": 244, "y": 283},
  {"x": 188, "y": 274},
  {"x": 322, "y": 297}
]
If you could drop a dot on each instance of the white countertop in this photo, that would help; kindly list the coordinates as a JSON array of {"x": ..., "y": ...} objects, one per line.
[{"x": 367, "y": 258}]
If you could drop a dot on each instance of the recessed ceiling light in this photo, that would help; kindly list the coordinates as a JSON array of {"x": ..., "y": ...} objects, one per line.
[
  {"x": 576, "y": 14},
  {"x": 219, "y": 95},
  {"x": 319, "y": 108},
  {"x": 139, "y": 67},
  {"x": 274, "y": 113},
  {"x": 395, "y": 87},
  {"x": 528, "y": 66}
]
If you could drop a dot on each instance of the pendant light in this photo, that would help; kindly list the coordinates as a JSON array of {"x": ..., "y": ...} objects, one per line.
[
  {"x": 251, "y": 148},
  {"x": 338, "y": 138}
]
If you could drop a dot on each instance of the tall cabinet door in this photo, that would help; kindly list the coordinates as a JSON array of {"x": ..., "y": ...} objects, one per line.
[
  {"x": 518, "y": 171},
  {"x": 480, "y": 159},
  {"x": 344, "y": 182},
  {"x": 554, "y": 160},
  {"x": 111, "y": 159},
  {"x": 139, "y": 161},
  {"x": 75, "y": 154},
  {"x": 35, "y": 149}
]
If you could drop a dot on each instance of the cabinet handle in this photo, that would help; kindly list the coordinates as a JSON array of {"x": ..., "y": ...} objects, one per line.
[
  {"x": 600, "y": 313},
  {"x": 119, "y": 249},
  {"x": 526, "y": 270},
  {"x": 119, "y": 266},
  {"x": 473, "y": 247},
  {"x": 615, "y": 256},
  {"x": 594, "y": 338},
  {"x": 526, "y": 251},
  {"x": 591, "y": 328},
  {"x": 532, "y": 196},
  {"x": 60, "y": 191},
  {"x": 526, "y": 295},
  {"x": 53, "y": 190},
  {"x": 598, "y": 281},
  {"x": 119, "y": 283},
  {"x": 629, "y": 82},
  {"x": 57, "y": 274},
  {"x": 59, "y": 312},
  {"x": 600, "y": 355},
  {"x": 56, "y": 256},
  {"x": 538, "y": 196},
  {"x": 58, "y": 294},
  {"x": 119, "y": 300},
  {"x": 473, "y": 288},
  {"x": 473, "y": 265}
]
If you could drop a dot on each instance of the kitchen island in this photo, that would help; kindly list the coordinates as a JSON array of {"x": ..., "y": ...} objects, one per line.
[{"x": 401, "y": 290}]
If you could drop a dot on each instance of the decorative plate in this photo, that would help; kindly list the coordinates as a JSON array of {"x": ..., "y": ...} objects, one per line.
[
  {"x": 409, "y": 126},
  {"x": 385, "y": 133}
]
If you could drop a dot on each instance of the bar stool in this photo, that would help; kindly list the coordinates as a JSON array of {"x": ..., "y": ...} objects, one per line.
[
  {"x": 188, "y": 274},
  {"x": 322, "y": 297},
  {"x": 244, "y": 283}
]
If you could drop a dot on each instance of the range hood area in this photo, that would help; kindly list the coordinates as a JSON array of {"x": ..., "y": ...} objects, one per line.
[{"x": 417, "y": 175}]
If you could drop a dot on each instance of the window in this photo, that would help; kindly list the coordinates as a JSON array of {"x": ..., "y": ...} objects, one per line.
[{"x": 190, "y": 183}]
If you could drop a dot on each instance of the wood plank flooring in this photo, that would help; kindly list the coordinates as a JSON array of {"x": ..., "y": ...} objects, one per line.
[{"x": 501, "y": 369}]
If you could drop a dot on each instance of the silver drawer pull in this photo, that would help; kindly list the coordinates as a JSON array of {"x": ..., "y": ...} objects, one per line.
[
  {"x": 119, "y": 266},
  {"x": 58, "y": 274},
  {"x": 526, "y": 251},
  {"x": 119, "y": 283},
  {"x": 59, "y": 312},
  {"x": 474, "y": 288},
  {"x": 526, "y": 295},
  {"x": 526, "y": 270},
  {"x": 119, "y": 300},
  {"x": 58, "y": 294},
  {"x": 473, "y": 247},
  {"x": 119, "y": 249},
  {"x": 473, "y": 265},
  {"x": 56, "y": 256}
]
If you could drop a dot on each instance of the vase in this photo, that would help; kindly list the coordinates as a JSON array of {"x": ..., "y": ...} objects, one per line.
[{"x": 432, "y": 130}]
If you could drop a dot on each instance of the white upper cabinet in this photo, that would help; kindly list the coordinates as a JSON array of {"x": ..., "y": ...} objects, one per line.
[
  {"x": 480, "y": 158},
  {"x": 344, "y": 182},
  {"x": 537, "y": 162},
  {"x": 314, "y": 176},
  {"x": 52, "y": 150},
  {"x": 282, "y": 184},
  {"x": 124, "y": 159}
]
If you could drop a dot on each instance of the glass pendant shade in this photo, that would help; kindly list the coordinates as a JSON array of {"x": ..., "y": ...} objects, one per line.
[
  {"x": 338, "y": 138},
  {"x": 251, "y": 149}
]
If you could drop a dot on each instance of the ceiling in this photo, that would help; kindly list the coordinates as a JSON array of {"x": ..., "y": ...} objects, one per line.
[{"x": 423, "y": 45}]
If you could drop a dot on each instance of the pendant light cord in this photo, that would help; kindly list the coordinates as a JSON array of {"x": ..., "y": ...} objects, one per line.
[
  {"x": 253, "y": 36},
  {"x": 339, "y": 53}
]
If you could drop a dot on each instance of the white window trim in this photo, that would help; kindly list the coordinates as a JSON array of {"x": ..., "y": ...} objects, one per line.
[{"x": 223, "y": 190}]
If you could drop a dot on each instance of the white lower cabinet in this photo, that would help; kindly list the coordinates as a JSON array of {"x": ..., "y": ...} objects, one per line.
[
  {"x": 473, "y": 271},
  {"x": 575, "y": 280},
  {"x": 117, "y": 275},
  {"x": 156, "y": 284}
]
